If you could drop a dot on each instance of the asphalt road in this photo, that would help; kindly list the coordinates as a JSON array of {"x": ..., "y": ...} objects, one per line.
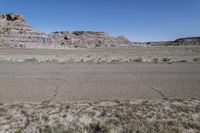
[{"x": 91, "y": 82}]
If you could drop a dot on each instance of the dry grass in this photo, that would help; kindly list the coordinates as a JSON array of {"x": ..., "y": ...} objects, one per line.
[{"x": 166, "y": 116}]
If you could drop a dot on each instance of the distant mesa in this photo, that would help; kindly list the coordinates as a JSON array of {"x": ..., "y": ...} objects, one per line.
[
  {"x": 15, "y": 33},
  {"x": 189, "y": 40},
  {"x": 178, "y": 42}
]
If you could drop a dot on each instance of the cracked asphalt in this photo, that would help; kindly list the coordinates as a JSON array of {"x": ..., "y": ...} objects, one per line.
[{"x": 91, "y": 82}]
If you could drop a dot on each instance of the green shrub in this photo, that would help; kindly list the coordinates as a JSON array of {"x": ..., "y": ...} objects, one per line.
[
  {"x": 52, "y": 60},
  {"x": 19, "y": 131},
  {"x": 139, "y": 59},
  {"x": 196, "y": 59},
  {"x": 105, "y": 128},
  {"x": 166, "y": 59},
  {"x": 67, "y": 106},
  {"x": 183, "y": 61},
  {"x": 33, "y": 59},
  {"x": 155, "y": 60},
  {"x": 45, "y": 118},
  {"x": 97, "y": 127},
  {"x": 3, "y": 110},
  {"x": 92, "y": 113}
]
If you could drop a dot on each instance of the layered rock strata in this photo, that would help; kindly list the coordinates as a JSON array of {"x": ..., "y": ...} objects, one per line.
[
  {"x": 88, "y": 39},
  {"x": 15, "y": 33}
]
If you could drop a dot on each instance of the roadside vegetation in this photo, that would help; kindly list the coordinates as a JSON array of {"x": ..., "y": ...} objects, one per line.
[{"x": 166, "y": 116}]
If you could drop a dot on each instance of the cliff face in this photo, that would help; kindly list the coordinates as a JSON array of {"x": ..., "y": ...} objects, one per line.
[
  {"x": 88, "y": 39},
  {"x": 15, "y": 33}
]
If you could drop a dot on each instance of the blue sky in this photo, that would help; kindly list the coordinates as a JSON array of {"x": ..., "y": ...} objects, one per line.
[{"x": 139, "y": 20}]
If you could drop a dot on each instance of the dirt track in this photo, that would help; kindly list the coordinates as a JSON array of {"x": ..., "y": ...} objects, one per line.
[{"x": 77, "y": 82}]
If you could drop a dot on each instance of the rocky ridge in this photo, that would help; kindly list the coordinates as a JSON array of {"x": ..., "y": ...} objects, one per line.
[
  {"x": 15, "y": 33},
  {"x": 190, "y": 41},
  {"x": 88, "y": 39}
]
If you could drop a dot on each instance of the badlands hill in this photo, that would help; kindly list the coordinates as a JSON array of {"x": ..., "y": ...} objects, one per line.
[
  {"x": 88, "y": 39},
  {"x": 15, "y": 33}
]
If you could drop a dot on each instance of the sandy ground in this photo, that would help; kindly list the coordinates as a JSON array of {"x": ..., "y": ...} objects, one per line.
[{"x": 33, "y": 82}]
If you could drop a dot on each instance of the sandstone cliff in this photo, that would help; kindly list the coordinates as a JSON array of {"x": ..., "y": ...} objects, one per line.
[{"x": 15, "y": 33}]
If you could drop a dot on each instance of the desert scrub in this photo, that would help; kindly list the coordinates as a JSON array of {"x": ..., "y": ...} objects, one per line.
[
  {"x": 182, "y": 61},
  {"x": 17, "y": 105},
  {"x": 166, "y": 59},
  {"x": 155, "y": 60},
  {"x": 142, "y": 126},
  {"x": 45, "y": 118},
  {"x": 196, "y": 59},
  {"x": 82, "y": 60},
  {"x": 32, "y": 59},
  {"x": 3, "y": 110},
  {"x": 52, "y": 60},
  {"x": 105, "y": 128},
  {"x": 114, "y": 61},
  {"x": 139, "y": 59},
  {"x": 67, "y": 106},
  {"x": 182, "y": 108},
  {"x": 92, "y": 113},
  {"x": 19, "y": 131},
  {"x": 97, "y": 127}
]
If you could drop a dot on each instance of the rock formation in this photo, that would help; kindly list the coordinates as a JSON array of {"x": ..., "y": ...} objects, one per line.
[
  {"x": 88, "y": 39},
  {"x": 15, "y": 33},
  {"x": 178, "y": 42}
]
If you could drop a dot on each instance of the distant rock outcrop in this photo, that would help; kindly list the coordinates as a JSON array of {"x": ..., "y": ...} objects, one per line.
[
  {"x": 88, "y": 39},
  {"x": 178, "y": 42},
  {"x": 188, "y": 41},
  {"x": 15, "y": 33}
]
